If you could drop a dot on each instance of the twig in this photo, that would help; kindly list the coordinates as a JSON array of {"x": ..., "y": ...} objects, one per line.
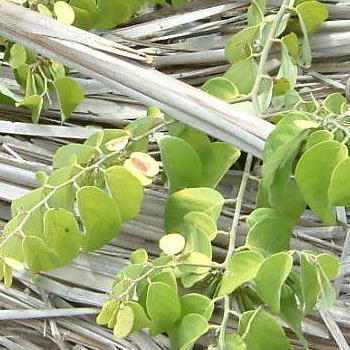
[
  {"x": 225, "y": 318},
  {"x": 285, "y": 5},
  {"x": 237, "y": 214},
  {"x": 6, "y": 315}
]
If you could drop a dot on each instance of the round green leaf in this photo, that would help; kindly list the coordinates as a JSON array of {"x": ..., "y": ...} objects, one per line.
[
  {"x": 335, "y": 103},
  {"x": 125, "y": 322},
  {"x": 61, "y": 232},
  {"x": 313, "y": 175},
  {"x": 182, "y": 165},
  {"x": 242, "y": 268},
  {"x": 64, "y": 12},
  {"x": 330, "y": 265},
  {"x": 163, "y": 307},
  {"x": 195, "y": 303},
  {"x": 318, "y": 136},
  {"x": 201, "y": 221},
  {"x": 80, "y": 154},
  {"x": 18, "y": 55},
  {"x": 339, "y": 188},
  {"x": 38, "y": 256},
  {"x": 172, "y": 243},
  {"x": 261, "y": 331},
  {"x": 313, "y": 14},
  {"x": 192, "y": 327},
  {"x": 126, "y": 190},
  {"x": 269, "y": 280},
  {"x": 141, "y": 320},
  {"x": 100, "y": 216},
  {"x": 69, "y": 93},
  {"x": 183, "y": 202},
  {"x": 309, "y": 284},
  {"x": 139, "y": 256},
  {"x": 222, "y": 88},
  {"x": 107, "y": 311}
]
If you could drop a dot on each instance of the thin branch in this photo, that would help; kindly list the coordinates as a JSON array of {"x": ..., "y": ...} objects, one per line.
[
  {"x": 238, "y": 208},
  {"x": 286, "y": 4}
]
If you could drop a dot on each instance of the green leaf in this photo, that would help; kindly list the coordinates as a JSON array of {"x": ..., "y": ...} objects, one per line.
[
  {"x": 65, "y": 196},
  {"x": 318, "y": 136},
  {"x": 83, "y": 19},
  {"x": 175, "y": 3},
  {"x": 190, "y": 275},
  {"x": 291, "y": 313},
  {"x": 125, "y": 322},
  {"x": 285, "y": 131},
  {"x": 88, "y": 18},
  {"x": 313, "y": 13},
  {"x": 292, "y": 43},
  {"x": 35, "y": 104},
  {"x": 198, "y": 241},
  {"x": 141, "y": 126},
  {"x": 7, "y": 96},
  {"x": 18, "y": 55},
  {"x": 192, "y": 327},
  {"x": 328, "y": 295},
  {"x": 126, "y": 190},
  {"x": 107, "y": 311},
  {"x": 73, "y": 153},
  {"x": 270, "y": 235},
  {"x": 163, "y": 307},
  {"x": 260, "y": 214},
  {"x": 64, "y": 12},
  {"x": 108, "y": 17},
  {"x": 44, "y": 10},
  {"x": 280, "y": 87},
  {"x": 141, "y": 320},
  {"x": 255, "y": 14},
  {"x": 329, "y": 264},
  {"x": 242, "y": 268},
  {"x": 69, "y": 94},
  {"x": 339, "y": 187},
  {"x": 216, "y": 160},
  {"x": 38, "y": 256},
  {"x": 100, "y": 216},
  {"x": 200, "y": 221},
  {"x": 222, "y": 88},
  {"x": 309, "y": 284},
  {"x": 183, "y": 202},
  {"x": 305, "y": 57},
  {"x": 239, "y": 46},
  {"x": 313, "y": 175},
  {"x": 182, "y": 165},
  {"x": 34, "y": 223},
  {"x": 139, "y": 256},
  {"x": 12, "y": 247},
  {"x": 234, "y": 342},
  {"x": 288, "y": 69},
  {"x": 265, "y": 94},
  {"x": 172, "y": 243},
  {"x": 335, "y": 103},
  {"x": 260, "y": 331},
  {"x": 243, "y": 74},
  {"x": 270, "y": 278},
  {"x": 195, "y": 303},
  {"x": 167, "y": 277},
  {"x": 61, "y": 233}
]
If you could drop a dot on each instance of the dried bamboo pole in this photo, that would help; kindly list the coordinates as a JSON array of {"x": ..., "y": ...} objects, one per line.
[{"x": 124, "y": 69}]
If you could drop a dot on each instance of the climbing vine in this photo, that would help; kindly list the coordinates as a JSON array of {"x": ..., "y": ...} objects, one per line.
[{"x": 97, "y": 186}]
